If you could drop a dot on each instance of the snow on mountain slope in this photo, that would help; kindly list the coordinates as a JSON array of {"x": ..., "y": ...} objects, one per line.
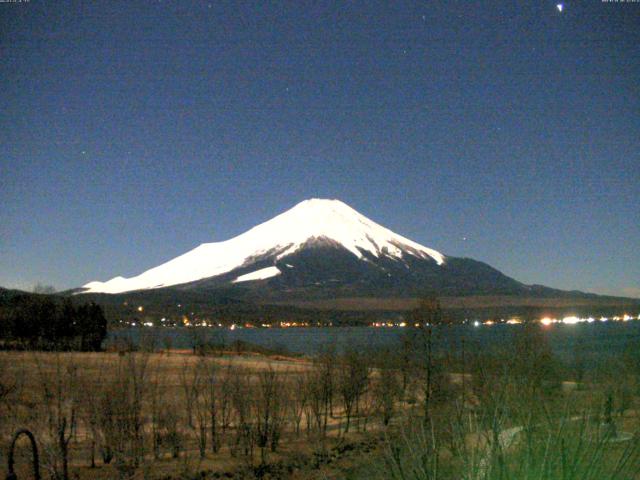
[
  {"x": 278, "y": 237},
  {"x": 261, "y": 274}
]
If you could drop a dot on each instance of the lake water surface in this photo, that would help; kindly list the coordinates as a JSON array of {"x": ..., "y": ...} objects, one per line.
[{"x": 599, "y": 339}]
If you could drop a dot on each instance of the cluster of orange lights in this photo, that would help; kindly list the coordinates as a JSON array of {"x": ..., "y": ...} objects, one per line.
[
  {"x": 390, "y": 324},
  {"x": 293, "y": 324}
]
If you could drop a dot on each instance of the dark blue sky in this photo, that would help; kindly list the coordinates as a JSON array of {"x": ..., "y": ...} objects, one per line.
[{"x": 131, "y": 132}]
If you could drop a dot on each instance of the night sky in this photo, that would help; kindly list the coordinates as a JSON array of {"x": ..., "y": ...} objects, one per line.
[{"x": 504, "y": 131}]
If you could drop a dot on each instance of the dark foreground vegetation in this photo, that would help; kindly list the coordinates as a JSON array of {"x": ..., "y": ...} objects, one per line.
[
  {"x": 45, "y": 322},
  {"x": 409, "y": 413}
]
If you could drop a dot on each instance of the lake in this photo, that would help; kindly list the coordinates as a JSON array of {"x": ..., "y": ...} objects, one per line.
[{"x": 599, "y": 339}]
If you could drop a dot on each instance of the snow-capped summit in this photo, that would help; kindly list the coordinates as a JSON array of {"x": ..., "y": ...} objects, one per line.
[{"x": 312, "y": 221}]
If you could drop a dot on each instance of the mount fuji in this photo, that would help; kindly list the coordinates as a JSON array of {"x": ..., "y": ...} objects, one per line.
[{"x": 318, "y": 249}]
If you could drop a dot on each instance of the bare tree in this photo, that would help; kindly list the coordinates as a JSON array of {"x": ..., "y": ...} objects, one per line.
[
  {"x": 242, "y": 409},
  {"x": 427, "y": 315},
  {"x": 60, "y": 401},
  {"x": 169, "y": 430},
  {"x": 367, "y": 406},
  {"x": 89, "y": 390},
  {"x": 268, "y": 410},
  {"x": 216, "y": 402},
  {"x": 122, "y": 419},
  {"x": 201, "y": 407},
  {"x": 167, "y": 343},
  {"x": 319, "y": 394},
  {"x": 165, "y": 419},
  {"x": 353, "y": 377},
  {"x": 11, "y": 386},
  {"x": 189, "y": 392},
  {"x": 155, "y": 408},
  {"x": 326, "y": 362},
  {"x": 298, "y": 396},
  {"x": 110, "y": 435},
  {"x": 532, "y": 363},
  {"x": 225, "y": 400},
  {"x": 405, "y": 361},
  {"x": 387, "y": 390},
  {"x": 137, "y": 369}
]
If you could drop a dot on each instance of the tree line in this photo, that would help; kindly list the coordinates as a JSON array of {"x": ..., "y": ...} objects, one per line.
[{"x": 47, "y": 323}]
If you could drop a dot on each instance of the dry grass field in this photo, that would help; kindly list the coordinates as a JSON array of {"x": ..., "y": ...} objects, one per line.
[
  {"x": 168, "y": 403},
  {"x": 517, "y": 414}
]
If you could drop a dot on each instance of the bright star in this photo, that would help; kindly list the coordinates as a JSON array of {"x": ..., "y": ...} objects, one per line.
[{"x": 560, "y": 7}]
